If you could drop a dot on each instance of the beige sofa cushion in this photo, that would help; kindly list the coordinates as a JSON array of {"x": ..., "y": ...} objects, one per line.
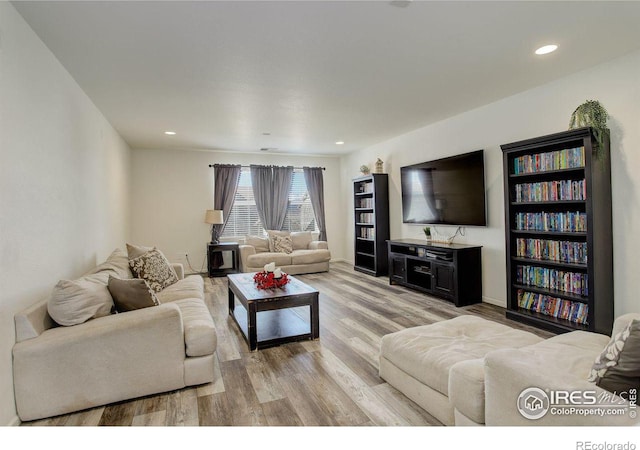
[
  {"x": 428, "y": 352},
  {"x": 301, "y": 239},
  {"x": 199, "y": 331},
  {"x": 260, "y": 259},
  {"x": 572, "y": 353},
  {"x": 261, "y": 244},
  {"x": 191, "y": 286},
  {"x": 73, "y": 302},
  {"x": 310, "y": 256},
  {"x": 135, "y": 251},
  {"x": 466, "y": 388}
]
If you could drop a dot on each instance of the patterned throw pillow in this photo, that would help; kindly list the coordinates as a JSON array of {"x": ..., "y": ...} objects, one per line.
[
  {"x": 131, "y": 294},
  {"x": 617, "y": 368},
  {"x": 282, "y": 244},
  {"x": 154, "y": 268}
]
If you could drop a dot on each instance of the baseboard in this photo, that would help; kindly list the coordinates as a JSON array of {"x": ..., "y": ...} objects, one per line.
[
  {"x": 337, "y": 260},
  {"x": 494, "y": 301}
]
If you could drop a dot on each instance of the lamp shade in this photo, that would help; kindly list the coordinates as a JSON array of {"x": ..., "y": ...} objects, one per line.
[{"x": 214, "y": 217}]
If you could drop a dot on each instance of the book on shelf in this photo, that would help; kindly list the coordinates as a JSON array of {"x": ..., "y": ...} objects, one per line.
[
  {"x": 576, "y": 312},
  {"x": 551, "y": 250},
  {"x": 551, "y": 191},
  {"x": 560, "y": 280},
  {"x": 365, "y": 203},
  {"x": 365, "y": 218},
  {"x": 556, "y": 160},
  {"x": 367, "y": 233},
  {"x": 550, "y": 221}
]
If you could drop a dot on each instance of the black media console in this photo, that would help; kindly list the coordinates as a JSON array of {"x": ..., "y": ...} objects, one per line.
[{"x": 449, "y": 271}]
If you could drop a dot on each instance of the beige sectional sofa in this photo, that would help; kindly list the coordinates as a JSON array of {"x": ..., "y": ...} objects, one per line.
[
  {"x": 61, "y": 369},
  {"x": 306, "y": 255},
  {"x": 471, "y": 371}
]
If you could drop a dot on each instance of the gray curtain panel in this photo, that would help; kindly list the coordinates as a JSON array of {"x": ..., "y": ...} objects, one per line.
[
  {"x": 315, "y": 186},
  {"x": 226, "y": 182},
  {"x": 271, "y": 186}
]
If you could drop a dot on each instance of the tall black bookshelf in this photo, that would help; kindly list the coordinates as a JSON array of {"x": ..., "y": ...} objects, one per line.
[
  {"x": 371, "y": 223},
  {"x": 559, "y": 244}
]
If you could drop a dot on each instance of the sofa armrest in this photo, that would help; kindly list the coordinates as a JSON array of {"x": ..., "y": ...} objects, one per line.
[
  {"x": 510, "y": 371},
  {"x": 316, "y": 245},
  {"x": 101, "y": 361},
  {"x": 246, "y": 250},
  {"x": 179, "y": 268}
]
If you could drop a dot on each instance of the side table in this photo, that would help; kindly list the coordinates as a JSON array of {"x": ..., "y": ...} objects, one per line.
[{"x": 214, "y": 258}]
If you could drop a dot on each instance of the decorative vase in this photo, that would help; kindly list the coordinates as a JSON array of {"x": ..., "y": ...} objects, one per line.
[{"x": 379, "y": 166}]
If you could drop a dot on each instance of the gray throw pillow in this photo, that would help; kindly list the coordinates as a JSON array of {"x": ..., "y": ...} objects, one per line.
[
  {"x": 617, "y": 368},
  {"x": 131, "y": 294},
  {"x": 153, "y": 267}
]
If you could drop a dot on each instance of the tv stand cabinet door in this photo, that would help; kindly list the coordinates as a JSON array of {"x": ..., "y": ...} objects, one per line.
[
  {"x": 397, "y": 269},
  {"x": 443, "y": 280}
]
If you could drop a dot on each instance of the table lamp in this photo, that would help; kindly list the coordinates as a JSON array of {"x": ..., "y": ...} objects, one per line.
[{"x": 214, "y": 217}]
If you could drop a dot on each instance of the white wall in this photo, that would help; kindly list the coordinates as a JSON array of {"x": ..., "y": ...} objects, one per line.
[
  {"x": 536, "y": 112},
  {"x": 64, "y": 182},
  {"x": 171, "y": 189}
]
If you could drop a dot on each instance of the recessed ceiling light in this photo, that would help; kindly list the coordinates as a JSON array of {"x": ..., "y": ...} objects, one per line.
[
  {"x": 170, "y": 133},
  {"x": 339, "y": 142},
  {"x": 546, "y": 49},
  {"x": 266, "y": 134}
]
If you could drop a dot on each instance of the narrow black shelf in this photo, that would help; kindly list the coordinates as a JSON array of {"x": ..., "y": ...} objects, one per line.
[
  {"x": 549, "y": 263},
  {"x": 545, "y": 321},
  {"x": 553, "y": 293},
  {"x": 546, "y": 172},
  {"x": 550, "y": 202},
  {"x": 552, "y": 233},
  {"x": 371, "y": 252}
]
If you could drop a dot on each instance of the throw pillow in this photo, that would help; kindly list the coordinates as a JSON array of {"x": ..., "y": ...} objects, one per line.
[
  {"x": 617, "y": 368},
  {"x": 301, "y": 239},
  {"x": 272, "y": 234},
  {"x": 117, "y": 264},
  {"x": 261, "y": 244},
  {"x": 75, "y": 302},
  {"x": 282, "y": 244},
  {"x": 134, "y": 251},
  {"x": 131, "y": 294},
  {"x": 153, "y": 267}
]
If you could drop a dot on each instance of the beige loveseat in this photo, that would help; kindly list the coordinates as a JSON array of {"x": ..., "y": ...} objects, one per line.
[
  {"x": 471, "y": 371},
  {"x": 306, "y": 255},
  {"x": 61, "y": 369}
]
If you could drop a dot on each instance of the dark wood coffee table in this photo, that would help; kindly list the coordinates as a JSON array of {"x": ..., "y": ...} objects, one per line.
[{"x": 281, "y": 318}]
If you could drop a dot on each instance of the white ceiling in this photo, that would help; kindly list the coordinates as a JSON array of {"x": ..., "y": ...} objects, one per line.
[{"x": 310, "y": 73}]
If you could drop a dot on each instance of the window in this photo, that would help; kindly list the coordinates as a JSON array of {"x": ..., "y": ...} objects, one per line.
[{"x": 244, "y": 219}]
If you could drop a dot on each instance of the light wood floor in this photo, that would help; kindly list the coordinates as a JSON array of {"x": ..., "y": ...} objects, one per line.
[{"x": 331, "y": 381}]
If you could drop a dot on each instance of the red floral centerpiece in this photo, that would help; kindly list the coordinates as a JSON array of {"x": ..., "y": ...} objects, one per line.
[{"x": 271, "y": 277}]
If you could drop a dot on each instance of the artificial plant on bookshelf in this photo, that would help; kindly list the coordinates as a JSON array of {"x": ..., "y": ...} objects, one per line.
[
  {"x": 559, "y": 243},
  {"x": 371, "y": 223}
]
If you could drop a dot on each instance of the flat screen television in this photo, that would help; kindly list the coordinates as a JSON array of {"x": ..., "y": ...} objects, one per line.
[{"x": 447, "y": 191}]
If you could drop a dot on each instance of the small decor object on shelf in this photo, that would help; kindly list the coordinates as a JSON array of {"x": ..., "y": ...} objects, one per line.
[
  {"x": 271, "y": 277},
  {"x": 364, "y": 169},
  {"x": 591, "y": 114},
  {"x": 427, "y": 233},
  {"x": 379, "y": 166}
]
